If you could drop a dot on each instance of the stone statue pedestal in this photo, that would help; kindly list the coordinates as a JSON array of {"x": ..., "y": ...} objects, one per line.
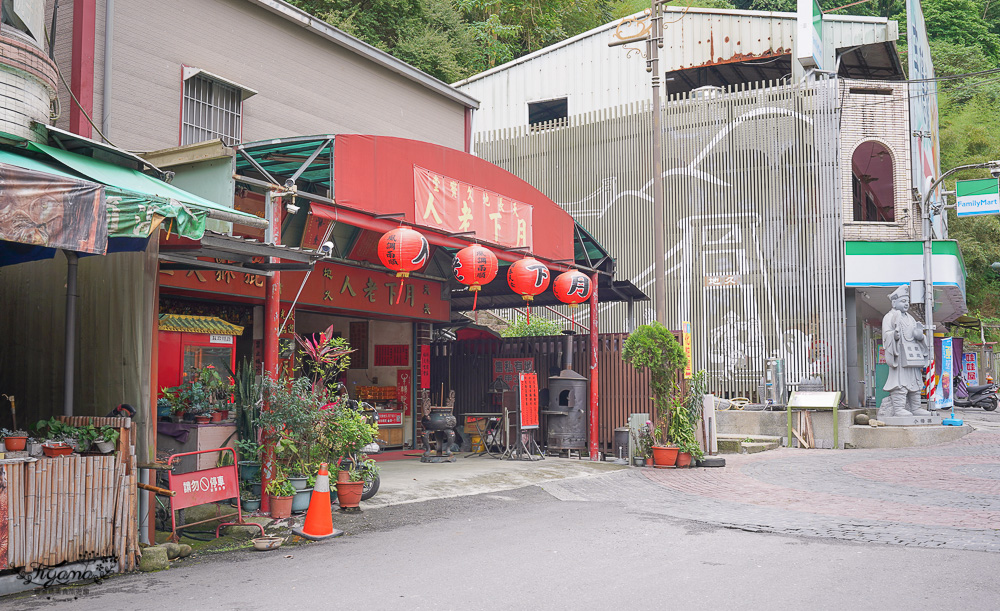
[{"x": 933, "y": 418}]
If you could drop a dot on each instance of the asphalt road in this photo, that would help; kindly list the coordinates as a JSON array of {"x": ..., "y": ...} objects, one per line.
[{"x": 526, "y": 548}]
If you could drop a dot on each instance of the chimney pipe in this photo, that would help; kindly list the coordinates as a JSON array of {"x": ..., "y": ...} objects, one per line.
[{"x": 568, "y": 350}]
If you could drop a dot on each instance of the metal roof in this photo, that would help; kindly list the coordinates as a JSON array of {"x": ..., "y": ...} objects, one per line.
[
  {"x": 730, "y": 46},
  {"x": 342, "y": 39}
]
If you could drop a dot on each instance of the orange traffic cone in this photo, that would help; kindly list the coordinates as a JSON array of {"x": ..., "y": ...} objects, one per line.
[{"x": 319, "y": 517}]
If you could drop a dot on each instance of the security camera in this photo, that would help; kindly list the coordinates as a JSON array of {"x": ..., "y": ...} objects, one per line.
[
  {"x": 292, "y": 208},
  {"x": 995, "y": 170},
  {"x": 326, "y": 249}
]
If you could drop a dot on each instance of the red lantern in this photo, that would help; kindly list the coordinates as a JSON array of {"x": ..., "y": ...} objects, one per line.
[
  {"x": 572, "y": 288},
  {"x": 528, "y": 277},
  {"x": 475, "y": 266},
  {"x": 403, "y": 251}
]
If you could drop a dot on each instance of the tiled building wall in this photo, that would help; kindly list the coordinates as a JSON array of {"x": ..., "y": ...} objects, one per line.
[
  {"x": 27, "y": 85},
  {"x": 883, "y": 117}
]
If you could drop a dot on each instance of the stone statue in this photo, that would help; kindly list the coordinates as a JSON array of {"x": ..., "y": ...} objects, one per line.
[{"x": 906, "y": 354}]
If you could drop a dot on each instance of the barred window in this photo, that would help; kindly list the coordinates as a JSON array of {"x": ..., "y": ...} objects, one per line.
[{"x": 212, "y": 110}]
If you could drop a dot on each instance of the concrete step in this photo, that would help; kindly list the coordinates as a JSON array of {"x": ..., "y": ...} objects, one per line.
[{"x": 730, "y": 443}]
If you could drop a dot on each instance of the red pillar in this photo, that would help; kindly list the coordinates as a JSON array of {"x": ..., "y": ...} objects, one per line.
[
  {"x": 272, "y": 322},
  {"x": 594, "y": 407},
  {"x": 82, "y": 69}
]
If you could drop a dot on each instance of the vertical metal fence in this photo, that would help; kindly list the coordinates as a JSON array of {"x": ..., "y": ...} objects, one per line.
[{"x": 753, "y": 219}]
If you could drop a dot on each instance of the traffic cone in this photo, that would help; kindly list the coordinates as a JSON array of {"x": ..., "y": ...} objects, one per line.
[{"x": 319, "y": 517}]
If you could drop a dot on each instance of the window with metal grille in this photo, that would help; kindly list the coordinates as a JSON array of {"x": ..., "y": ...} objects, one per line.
[{"x": 212, "y": 110}]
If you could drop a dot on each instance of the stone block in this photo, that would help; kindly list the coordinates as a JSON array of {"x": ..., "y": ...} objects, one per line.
[{"x": 154, "y": 559}]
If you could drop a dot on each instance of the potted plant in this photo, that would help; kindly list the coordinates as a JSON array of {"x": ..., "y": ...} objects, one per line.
[
  {"x": 14, "y": 441},
  {"x": 655, "y": 348},
  {"x": 107, "y": 439},
  {"x": 249, "y": 466},
  {"x": 249, "y": 500},
  {"x": 247, "y": 401},
  {"x": 85, "y": 436},
  {"x": 281, "y": 494},
  {"x": 643, "y": 440},
  {"x": 683, "y": 419},
  {"x": 349, "y": 491}
]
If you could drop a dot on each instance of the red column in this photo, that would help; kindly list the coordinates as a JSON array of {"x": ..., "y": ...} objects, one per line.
[
  {"x": 272, "y": 322},
  {"x": 82, "y": 69},
  {"x": 594, "y": 407}
]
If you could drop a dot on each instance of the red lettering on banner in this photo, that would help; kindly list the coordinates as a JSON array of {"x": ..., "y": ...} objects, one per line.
[
  {"x": 402, "y": 394},
  {"x": 528, "y": 383},
  {"x": 332, "y": 285},
  {"x": 451, "y": 205}
]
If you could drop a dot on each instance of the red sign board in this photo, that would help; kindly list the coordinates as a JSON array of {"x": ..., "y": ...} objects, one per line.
[
  {"x": 529, "y": 400},
  {"x": 508, "y": 369},
  {"x": 392, "y": 355},
  {"x": 207, "y": 486},
  {"x": 403, "y": 382},
  {"x": 331, "y": 285},
  {"x": 390, "y": 418},
  {"x": 425, "y": 367},
  {"x": 453, "y": 206}
]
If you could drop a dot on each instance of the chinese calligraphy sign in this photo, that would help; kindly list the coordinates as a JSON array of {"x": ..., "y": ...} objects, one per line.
[{"x": 455, "y": 206}]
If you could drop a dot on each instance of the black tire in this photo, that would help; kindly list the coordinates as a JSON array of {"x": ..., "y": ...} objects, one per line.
[
  {"x": 991, "y": 406},
  {"x": 370, "y": 487}
]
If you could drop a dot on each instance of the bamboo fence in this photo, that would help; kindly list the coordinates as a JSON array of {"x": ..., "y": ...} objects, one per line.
[{"x": 76, "y": 507}]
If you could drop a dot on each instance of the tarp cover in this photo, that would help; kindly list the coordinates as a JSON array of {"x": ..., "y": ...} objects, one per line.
[{"x": 54, "y": 211}]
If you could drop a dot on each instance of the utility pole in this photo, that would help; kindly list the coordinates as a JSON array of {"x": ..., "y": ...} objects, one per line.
[
  {"x": 651, "y": 31},
  {"x": 925, "y": 212}
]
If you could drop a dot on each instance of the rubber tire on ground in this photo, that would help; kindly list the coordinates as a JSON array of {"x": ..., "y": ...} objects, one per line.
[
  {"x": 370, "y": 488},
  {"x": 992, "y": 405},
  {"x": 712, "y": 461}
]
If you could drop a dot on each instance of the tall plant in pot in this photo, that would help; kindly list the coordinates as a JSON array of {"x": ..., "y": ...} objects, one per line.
[
  {"x": 654, "y": 347},
  {"x": 684, "y": 418},
  {"x": 248, "y": 400}
]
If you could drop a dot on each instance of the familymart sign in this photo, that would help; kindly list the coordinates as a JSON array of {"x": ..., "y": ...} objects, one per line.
[{"x": 976, "y": 197}]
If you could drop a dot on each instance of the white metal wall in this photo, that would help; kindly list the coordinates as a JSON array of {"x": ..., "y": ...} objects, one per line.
[
  {"x": 753, "y": 220},
  {"x": 593, "y": 76}
]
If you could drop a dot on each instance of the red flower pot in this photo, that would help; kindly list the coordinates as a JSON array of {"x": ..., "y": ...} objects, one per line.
[
  {"x": 683, "y": 459},
  {"x": 216, "y": 416},
  {"x": 343, "y": 477},
  {"x": 664, "y": 456},
  {"x": 15, "y": 444},
  {"x": 224, "y": 413},
  {"x": 281, "y": 506},
  {"x": 202, "y": 419},
  {"x": 56, "y": 450},
  {"x": 349, "y": 494}
]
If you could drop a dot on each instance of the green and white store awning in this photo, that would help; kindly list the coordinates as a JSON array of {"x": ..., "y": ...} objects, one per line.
[{"x": 875, "y": 265}]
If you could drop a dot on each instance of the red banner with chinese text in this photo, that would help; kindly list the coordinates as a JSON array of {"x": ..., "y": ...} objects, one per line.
[
  {"x": 330, "y": 285},
  {"x": 455, "y": 206},
  {"x": 529, "y": 400},
  {"x": 403, "y": 380}
]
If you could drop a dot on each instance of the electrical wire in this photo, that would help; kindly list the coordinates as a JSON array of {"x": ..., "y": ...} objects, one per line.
[{"x": 76, "y": 101}]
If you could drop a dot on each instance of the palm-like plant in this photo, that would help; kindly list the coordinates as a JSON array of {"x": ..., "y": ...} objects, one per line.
[{"x": 327, "y": 354}]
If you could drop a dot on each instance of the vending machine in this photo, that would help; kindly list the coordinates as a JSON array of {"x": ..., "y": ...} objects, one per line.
[{"x": 189, "y": 343}]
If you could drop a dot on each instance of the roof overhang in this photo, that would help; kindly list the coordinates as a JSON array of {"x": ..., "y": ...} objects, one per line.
[
  {"x": 232, "y": 254},
  {"x": 875, "y": 268},
  {"x": 377, "y": 56}
]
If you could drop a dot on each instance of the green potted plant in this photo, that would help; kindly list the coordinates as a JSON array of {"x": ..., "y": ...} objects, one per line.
[
  {"x": 655, "y": 348},
  {"x": 350, "y": 486},
  {"x": 643, "y": 440},
  {"x": 85, "y": 436},
  {"x": 247, "y": 399},
  {"x": 249, "y": 463},
  {"x": 107, "y": 439},
  {"x": 684, "y": 418},
  {"x": 249, "y": 500},
  {"x": 281, "y": 494}
]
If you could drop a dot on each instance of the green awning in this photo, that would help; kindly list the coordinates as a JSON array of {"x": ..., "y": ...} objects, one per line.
[{"x": 135, "y": 198}]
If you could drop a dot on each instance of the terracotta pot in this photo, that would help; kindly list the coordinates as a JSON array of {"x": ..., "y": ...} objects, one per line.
[
  {"x": 349, "y": 494},
  {"x": 664, "y": 456},
  {"x": 343, "y": 476},
  {"x": 202, "y": 419},
  {"x": 15, "y": 444},
  {"x": 225, "y": 413},
  {"x": 683, "y": 459},
  {"x": 216, "y": 416},
  {"x": 56, "y": 450},
  {"x": 178, "y": 416},
  {"x": 281, "y": 506}
]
